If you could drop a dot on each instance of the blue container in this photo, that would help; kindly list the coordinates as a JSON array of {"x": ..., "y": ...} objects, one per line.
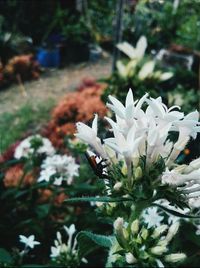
[{"x": 49, "y": 57}]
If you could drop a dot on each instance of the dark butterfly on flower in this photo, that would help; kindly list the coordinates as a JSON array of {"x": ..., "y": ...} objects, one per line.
[{"x": 97, "y": 164}]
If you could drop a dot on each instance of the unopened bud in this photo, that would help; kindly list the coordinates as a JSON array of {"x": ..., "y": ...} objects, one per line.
[
  {"x": 135, "y": 226},
  {"x": 144, "y": 233},
  {"x": 175, "y": 257},
  {"x": 121, "y": 233},
  {"x": 124, "y": 170},
  {"x": 159, "y": 230},
  {"x": 138, "y": 173},
  {"x": 130, "y": 259},
  {"x": 173, "y": 229},
  {"x": 125, "y": 234},
  {"x": 117, "y": 186},
  {"x": 118, "y": 223},
  {"x": 158, "y": 250},
  {"x": 195, "y": 164}
]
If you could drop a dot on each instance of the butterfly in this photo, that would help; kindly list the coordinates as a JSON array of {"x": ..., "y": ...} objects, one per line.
[{"x": 97, "y": 164}]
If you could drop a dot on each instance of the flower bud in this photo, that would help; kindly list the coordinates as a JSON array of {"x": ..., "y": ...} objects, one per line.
[
  {"x": 130, "y": 259},
  {"x": 125, "y": 234},
  {"x": 173, "y": 229},
  {"x": 135, "y": 226},
  {"x": 117, "y": 186},
  {"x": 64, "y": 248},
  {"x": 138, "y": 173},
  {"x": 124, "y": 170},
  {"x": 118, "y": 223},
  {"x": 195, "y": 164},
  {"x": 144, "y": 233},
  {"x": 159, "y": 230},
  {"x": 158, "y": 250},
  {"x": 59, "y": 237},
  {"x": 121, "y": 233},
  {"x": 175, "y": 257}
]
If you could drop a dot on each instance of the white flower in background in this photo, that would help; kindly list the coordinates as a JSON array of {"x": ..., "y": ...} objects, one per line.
[
  {"x": 126, "y": 70},
  {"x": 60, "y": 167},
  {"x": 25, "y": 148},
  {"x": 151, "y": 217},
  {"x": 46, "y": 174},
  {"x": 136, "y": 53},
  {"x": 69, "y": 249},
  {"x": 29, "y": 241},
  {"x": 146, "y": 70}
]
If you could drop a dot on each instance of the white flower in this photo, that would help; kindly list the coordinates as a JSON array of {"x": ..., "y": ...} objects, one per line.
[
  {"x": 152, "y": 217},
  {"x": 134, "y": 53},
  {"x": 146, "y": 70},
  {"x": 126, "y": 146},
  {"x": 89, "y": 135},
  {"x": 63, "y": 167},
  {"x": 25, "y": 148},
  {"x": 58, "y": 181},
  {"x": 55, "y": 251},
  {"x": 126, "y": 70},
  {"x": 46, "y": 174},
  {"x": 29, "y": 241},
  {"x": 70, "y": 231}
]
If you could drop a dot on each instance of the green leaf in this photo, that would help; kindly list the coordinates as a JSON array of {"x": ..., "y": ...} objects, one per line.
[
  {"x": 42, "y": 210},
  {"x": 103, "y": 199},
  {"x": 175, "y": 213},
  {"x": 5, "y": 256},
  {"x": 34, "y": 265},
  {"x": 89, "y": 242}
]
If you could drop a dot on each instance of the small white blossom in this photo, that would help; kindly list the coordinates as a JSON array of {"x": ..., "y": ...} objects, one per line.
[
  {"x": 25, "y": 148},
  {"x": 151, "y": 217},
  {"x": 29, "y": 241}
]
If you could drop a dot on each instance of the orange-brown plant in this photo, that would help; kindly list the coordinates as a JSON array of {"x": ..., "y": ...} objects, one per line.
[{"x": 76, "y": 106}]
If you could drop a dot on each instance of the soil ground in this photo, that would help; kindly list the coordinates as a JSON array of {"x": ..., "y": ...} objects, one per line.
[{"x": 53, "y": 84}]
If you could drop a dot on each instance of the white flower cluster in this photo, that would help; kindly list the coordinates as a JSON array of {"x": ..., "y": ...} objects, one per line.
[
  {"x": 61, "y": 167},
  {"x": 25, "y": 148},
  {"x": 138, "y": 132},
  {"x": 60, "y": 248},
  {"x": 136, "y": 55}
]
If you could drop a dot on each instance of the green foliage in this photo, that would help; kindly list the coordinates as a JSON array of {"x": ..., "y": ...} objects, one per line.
[
  {"x": 163, "y": 24},
  {"x": 13, "y": 126},
  {"x": 5, "y": 257},
  {"x": 103, "y": 199},
  {"x": 89, "y": 241}
]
